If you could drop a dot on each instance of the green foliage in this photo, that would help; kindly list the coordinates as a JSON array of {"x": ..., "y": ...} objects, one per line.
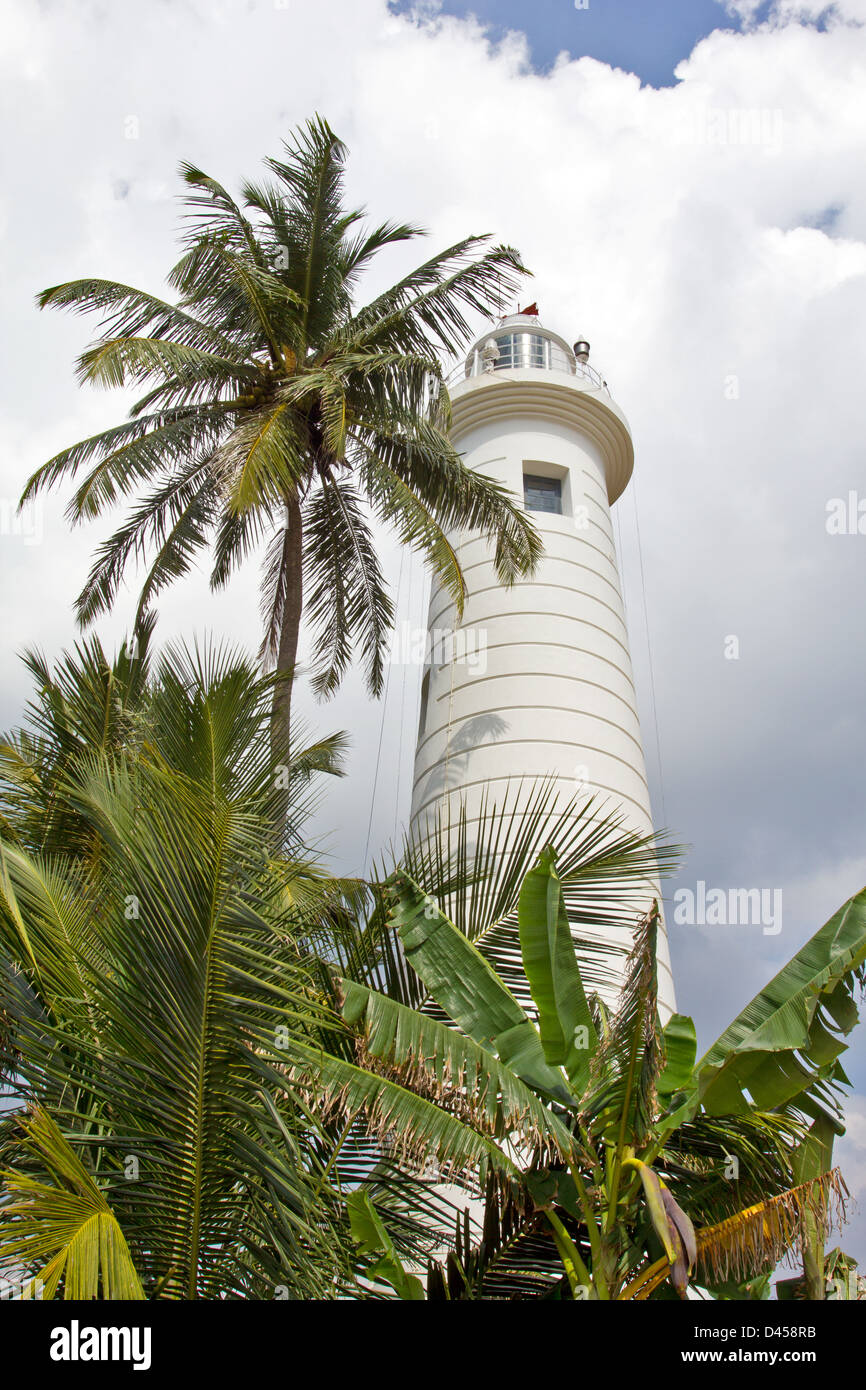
[
  {"x": 567, "y": 1030},
  {"x": 65, "y": 1221},
  {"x": 783, "y": 1049},
  {"x": 604, "y": 1171},
  {"x": 466, "y": 987},
  {"x": 155, "y": 983},
  {"x": 229, "y": 1078},
  {"x": 371, "y": 1237}
]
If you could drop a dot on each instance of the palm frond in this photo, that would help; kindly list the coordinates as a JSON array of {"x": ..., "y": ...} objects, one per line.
[
  {"x": 410, "y": 1127},
  {"x": 474, "y": 868},
  {"x": 66, "y": 1222},
  {"x": 129, "y": 312},
  {"x": 435, "y": 1060},
  {"x": 430, "y": 304},
  {"x": 756, "y": 1239},
  {"x": 145, "y": 991},
  {"x": 346, "y": 598}
]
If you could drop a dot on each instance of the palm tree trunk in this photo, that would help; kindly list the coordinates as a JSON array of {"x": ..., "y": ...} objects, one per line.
[{"x": 289, "y": 629}]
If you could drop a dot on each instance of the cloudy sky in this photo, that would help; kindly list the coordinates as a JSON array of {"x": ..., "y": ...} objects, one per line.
[{"x": 685, "y": 180}]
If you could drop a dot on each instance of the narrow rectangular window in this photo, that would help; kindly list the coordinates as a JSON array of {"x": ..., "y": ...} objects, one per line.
[
  {"x": 425, "y": 696},
  {"x": 542, "y": 494}
]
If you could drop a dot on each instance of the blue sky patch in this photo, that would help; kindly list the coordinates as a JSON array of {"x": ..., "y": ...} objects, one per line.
[{"x": 648, "y": 39}]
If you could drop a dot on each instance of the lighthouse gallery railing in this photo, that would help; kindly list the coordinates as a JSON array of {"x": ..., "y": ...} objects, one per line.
[{"x": 540, "y": 354}]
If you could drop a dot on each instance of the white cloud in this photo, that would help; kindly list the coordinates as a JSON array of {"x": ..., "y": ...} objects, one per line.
[
  {"x": 807, "y": 11},
  {"x": 850, "y": 1150},
  {"x": 849, "y": 1154}
]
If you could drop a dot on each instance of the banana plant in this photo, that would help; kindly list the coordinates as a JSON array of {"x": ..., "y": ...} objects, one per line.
[
  {"x": 371, "y": 1235},
  {"x": 603, "y": 1160}
]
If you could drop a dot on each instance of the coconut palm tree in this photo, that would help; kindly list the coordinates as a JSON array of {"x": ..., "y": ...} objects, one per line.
[
  {"x": 280, "y": 413},
  {"x": 611, "y": 1164},
  {"x": 89, "y": 705},
  {"x": 153, "y": 971}
]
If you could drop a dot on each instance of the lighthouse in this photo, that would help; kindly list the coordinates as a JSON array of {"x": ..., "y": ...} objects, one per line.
[{"x": 537, "y": 678}]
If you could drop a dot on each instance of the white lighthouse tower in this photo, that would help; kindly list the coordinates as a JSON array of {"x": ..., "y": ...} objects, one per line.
[{"x": 542, "y": 683}]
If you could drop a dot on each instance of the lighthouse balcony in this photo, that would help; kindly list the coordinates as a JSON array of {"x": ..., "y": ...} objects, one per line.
[{"x": 521, "y": 350}]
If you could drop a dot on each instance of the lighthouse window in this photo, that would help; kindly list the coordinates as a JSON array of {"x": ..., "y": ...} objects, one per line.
[
  {"x": 425, "y": 696},
  {"x": 542, "y": 494},
  {"x": 521, "y": 350}
]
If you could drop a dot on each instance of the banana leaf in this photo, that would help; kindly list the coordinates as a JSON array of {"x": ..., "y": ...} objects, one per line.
[
  {"x": 468, "y": 989},
  {"x": 568, "y": 1034},
  {"x": 783, "y": 1048}
]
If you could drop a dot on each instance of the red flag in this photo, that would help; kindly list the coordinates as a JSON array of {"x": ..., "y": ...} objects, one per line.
[{"x": 531, "y": 311}]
